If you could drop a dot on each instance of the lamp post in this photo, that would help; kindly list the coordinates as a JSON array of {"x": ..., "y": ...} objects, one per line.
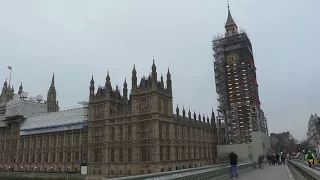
[
  {"x": 68, "y": 172},
  {"x": 51, "y": 172},
  {"x": 21, "y": 171}
]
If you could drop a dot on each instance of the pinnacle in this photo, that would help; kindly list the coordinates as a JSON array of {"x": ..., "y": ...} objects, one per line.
[{"x": 230, "y": 20}]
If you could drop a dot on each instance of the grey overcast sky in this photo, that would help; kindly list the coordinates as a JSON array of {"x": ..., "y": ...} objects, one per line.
[{"x": 76, "y": 38}]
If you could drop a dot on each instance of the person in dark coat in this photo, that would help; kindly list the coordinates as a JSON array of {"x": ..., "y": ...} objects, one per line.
[
  {"x": 233, "y": 157},
  {"x": 260, "y": 161},
  {"x": 269, "y": 158},
  {"x": 274, "y": 159},
  {"x": 278, "y": 159}
]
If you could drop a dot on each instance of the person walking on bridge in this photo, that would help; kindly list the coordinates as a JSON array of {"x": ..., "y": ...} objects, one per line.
[
  {"x": 260, "y": 161},
  {"x": 283, "y": 159},
  {"x": 269, "y": 158},
  {"x": 278, "y": 158},
  {"x": 233, "y": 157},
  {"x": 310, "y": 157}
]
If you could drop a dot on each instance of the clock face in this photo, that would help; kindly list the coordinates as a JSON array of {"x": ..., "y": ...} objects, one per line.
[{"x": 232, "y": 58}]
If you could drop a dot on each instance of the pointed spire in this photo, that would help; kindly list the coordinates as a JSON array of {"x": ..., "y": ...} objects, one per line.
[
  {"x": 134, "y": 79},
  {"x": 108, "y": 77},
  {"x": 125, "y": 83},
  {"x": 230, "y": 20},
  {"x": 177, "y": 110},
  {"x": 134, "y": 72},
  {"x": 189, "y": 114},
  {"x": 125, "y": 89},
  {"x": 169, "y": 83},
  {"x": 153, "y": 65},
  {"x": 168, "y": 74},
  {"x": 213, "y": 118},
  {"x": 230, "y": 26},
  {"x": 52, "y": 81},
  {"x": 161, "y": 82},
  {"x": 154, "y": 75},
  {"x": 5, "y": 84},
  {"x": 92, "y": 81},
  {"x": 194, "y": 115},
  {"x": 20, "y": 89},
  {"x": 91, "y": 88},
  {"x": 183, "y": 112}
]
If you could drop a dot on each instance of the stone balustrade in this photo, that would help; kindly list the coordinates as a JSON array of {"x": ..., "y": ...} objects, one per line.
[{"x": 214, "y": 172}]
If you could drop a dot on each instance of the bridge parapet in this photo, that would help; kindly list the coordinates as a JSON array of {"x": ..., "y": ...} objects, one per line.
[
  {"x": 300, "y": 170},
  {"x": 214, "y": 172}
]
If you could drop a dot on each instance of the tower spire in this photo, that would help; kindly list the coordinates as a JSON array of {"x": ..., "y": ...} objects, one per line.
[
  {"x": 52, "y": 81},
  {"x": 52, "y": 103},
  {"x": 231, "y": 26},
  {"x": 20, "y": 89}
]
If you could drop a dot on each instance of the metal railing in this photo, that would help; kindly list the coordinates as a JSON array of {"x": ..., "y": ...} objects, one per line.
[
  {"x": 301, "y": 171},
  {"x": 215, "y": 172}
]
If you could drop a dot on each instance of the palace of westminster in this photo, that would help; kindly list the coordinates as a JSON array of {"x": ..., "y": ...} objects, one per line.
[
  {"x": 113, "y": 135},
  {"x": 132, "y": 132}
]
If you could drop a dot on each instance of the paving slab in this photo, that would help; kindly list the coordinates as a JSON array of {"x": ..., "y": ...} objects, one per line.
[{"x": 278, "y": 172}]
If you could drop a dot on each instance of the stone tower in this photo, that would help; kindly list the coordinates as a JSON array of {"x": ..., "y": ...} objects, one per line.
[
  {"x": 20, "y": 89},
  {"x": 52, "y": 103},
  {"x": 7, "y": 93},
  {"x": 151, "y": 96},
  {"x": 236, "y": 86}
]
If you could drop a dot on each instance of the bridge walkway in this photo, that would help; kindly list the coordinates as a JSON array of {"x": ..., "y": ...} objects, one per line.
[{"x": 278, "y": 172}]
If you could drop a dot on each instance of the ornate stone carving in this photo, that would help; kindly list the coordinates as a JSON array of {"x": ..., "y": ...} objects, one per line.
[{"x": 144, "y": 105}]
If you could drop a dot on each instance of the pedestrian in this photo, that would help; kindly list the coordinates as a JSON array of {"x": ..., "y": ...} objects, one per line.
[
  {"x": 283, "y": 159},
  {"x": 269, "y": 158},
  {"x": 260, "y": 161},
  {"x": 315, "y": 161},
  {"x": 274, "y": 160},
  {"x": 310, "y": 157},
  {"x": 278, "y": 159},
  {"x": 233, "y": 157}
]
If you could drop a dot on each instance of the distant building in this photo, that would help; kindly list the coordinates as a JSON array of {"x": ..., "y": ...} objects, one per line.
[
  {"x": 37, "y": 137},
  {"x": 313, "y": 133},
  {"x": 282, "y": 142},
  {"x": 239, "y": 110}
]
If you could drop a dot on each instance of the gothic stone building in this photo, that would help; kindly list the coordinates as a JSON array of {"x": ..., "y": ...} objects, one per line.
[
  {"x": 116, "y": 135},
  {"x": 37, "y": 137},
  {"x": 139, "y": 134}
]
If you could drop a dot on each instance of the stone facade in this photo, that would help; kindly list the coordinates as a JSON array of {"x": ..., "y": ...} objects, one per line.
[
  {"x": 139, "y": 134},
  {"x": 117, "y": 135},
  {"x": 44, "y": 152},
  {"x": 43, "y": 148}
]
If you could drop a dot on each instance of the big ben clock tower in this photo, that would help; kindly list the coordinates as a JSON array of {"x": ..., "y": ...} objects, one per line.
[{"x": 239, "y": 111}]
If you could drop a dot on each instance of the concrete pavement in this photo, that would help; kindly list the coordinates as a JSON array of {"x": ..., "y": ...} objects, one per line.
[{"x": 268, "y": 173}]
